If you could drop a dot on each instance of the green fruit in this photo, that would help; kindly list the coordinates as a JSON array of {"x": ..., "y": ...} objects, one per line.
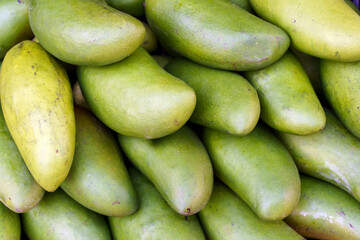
[
  {"x": 36, "y": 99},
  {"x": 244, "y": 4},
  {"x": 178, "y": 165},
  {"x": 216, "y": 33},
  {"x": 288, "y": 100},
  {"x": 258, "y": 168},
  {"x": 225, "y": 100},
  {"x": 341, "y": 84},
  {"x": 150, "y": 41},
  {"x": 18, "y": 189},
  {"x": 332, "y": 155},
  {"x": 227, "y": 217},
  {"x": 136, "y": 97},
  {"x": 59, "y": 217},
  {"x": 154, "y": 219},
  {"x": 325, "y": 212},
  {"x": 132, "y": 7},
  {"x": 161, "y": 60},
  {"x": 10, "y": 228},
  {"x": 98, "y": 178},
  {"x": 85, "y": 32},
  {"x": 14, "y": 24},
  {"x": 322, "y": 28}
]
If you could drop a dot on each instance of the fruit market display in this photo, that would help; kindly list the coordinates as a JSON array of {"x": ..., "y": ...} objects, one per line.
[{"x": 179, "y": 119}]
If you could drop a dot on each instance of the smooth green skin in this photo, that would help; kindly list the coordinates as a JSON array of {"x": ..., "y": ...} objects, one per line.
[
  {"x": 132, "y": 7},
  {"x": 36, "y": 100},
  {"x": 178, "y": 165},
  {"x": 288, "y": 100},
  {"x": 325, "y": 212},
  {"x": 225, "y": 100},
  {"x": 340, "y": 82},
  {"x": 155, "y": 219},
  {"x": 332, "y": 155},
  {"x": 258, "y": 168},
  {"x": 85, "y": 32},
  {"x": 314, "y": 26},
  {"x": 150, "y": 41},
  {"x": 161, "y": 60},
  {"x": 227, "y": 217},
  {"x": 136, "y": 97},
  {"x": 59, "y": 217},
  {"x": 14, "y": 24},
  {"x": 98, "y": 178},
  {"x": 18, "y": 189},
  {"x": 244, "y": 4},
  {"x": 10, "y": 228},
  {"x": 216, "y": 33}
]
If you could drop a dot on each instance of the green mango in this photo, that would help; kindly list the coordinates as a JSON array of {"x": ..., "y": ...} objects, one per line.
[
  {"x": 332, "y": 155},
  {"x": 85, "y": 32},
  {"x": 178, "y": 165},
  {"x": 244, "y": 4},
  {"x": 225, "y": 100},
  {"x": 258, "y": 168},
  {"x": 341, "y": 84},
  {"x": 10, "y": 228},
  {"x": 154, "y": 219},
  {"x": 325, "y": 29},
  {"x": 59, "y": 217},
  {"x": 136, "y": 97},
  {"x": 36, "y": 100},
  {"x": 227, "y": 217},
  {"x": 325, "y": 212},
  {"x": 288, "y": 100},
  {"x": 216, "y": 33},
  {"x": 161, "y": 60},
  {"x": 78, "y": 96},
  {"x": 14, "y": 24},
  {"x": 150, "y": 41},
  {"x": 132, "y": 7},
  {"x": 98, "y": 178},
  {"x": 18, "y": 189}
]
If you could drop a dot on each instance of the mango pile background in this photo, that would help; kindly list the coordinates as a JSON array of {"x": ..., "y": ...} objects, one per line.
[{"x": 242, "y": 124}]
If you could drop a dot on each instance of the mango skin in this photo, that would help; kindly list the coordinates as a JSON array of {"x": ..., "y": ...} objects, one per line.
[
  {"x": 14, "y": 24},
  {"x": 288, "y": 100},
  {"x": 225, "y": 100},
  {"x": 342, "y": 90},
  {"x": 216, "y": 33},
  {"x": 314, "y": 26},
  {"x": 244, "y": 4},
  {"x": 136, "y": 97},
  {"x": 150, "y": 41},
  {"x": 132, "y": 7},
  {"x": 332, "y": 155},
  {"x": 59, "y": 217},
  {"x": 258, "y": 168},
  {"x": 98, "y": 178},
  {"x": 325, "y": 212},
  {"x": 85, "y": 32},
  {"x": 178, "y": 165},
  {"x": 36, "y": 100},
  {"x": 154, "y": 219},
  {"x": 227, "y": 217},
  {"x": 10, "y": 228},
  {"x": 18, "y": 189},
  {"x": 161, "y": 60}
]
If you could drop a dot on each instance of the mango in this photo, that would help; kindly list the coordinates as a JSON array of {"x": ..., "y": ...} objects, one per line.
[
  {"x": 132, "y": 7},
  {"x": 36, "y": 100},
  {"x": 85, "y": 32},
  {"x": 332, "y": 155},
  {"x": 161, "y": 60},
  {"x": 244, "y": 4},
  {"x": 341, "y": 84},
  {"x": 59, "y": 217},
  {"x": 154, "y": 219},
  {"x": 225, "y": 100},
  {"x": 150, "y": 41},
  {"x": 78, "y": 96},
  {"x": 18, "y": 189},
  {"x": 14, "y": 24},
  {"x": 216, "y": 33},
  {"x": 10, "y": 228},
  {"x": 227, "y": 217},
  {"x": 258, "y": 168},
  {"x": 98, "y": 178},
  {"x": 178, "y": 165},
  {"x": 136, "y": 97},
  {"x": 325, "y": 29},
  {"x": 325, "y": 212},
  {"x": 288, "y": 100}
]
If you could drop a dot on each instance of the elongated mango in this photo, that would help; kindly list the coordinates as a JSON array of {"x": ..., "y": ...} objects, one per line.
[
  {"x": 132, "y": 7},
  {"x": 10, "y": 228}
]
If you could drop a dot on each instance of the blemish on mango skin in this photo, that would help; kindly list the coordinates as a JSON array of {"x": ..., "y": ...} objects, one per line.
[{"x": 116, "y": 202}]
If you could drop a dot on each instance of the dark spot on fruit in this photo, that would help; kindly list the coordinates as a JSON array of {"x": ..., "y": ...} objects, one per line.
[
  {"x": 28, "y": 51},
  {"x": 145, "y": 42},
  {"x": 19, "y": 1},
  {"x": 33, "y": 66},
  {"x": 351, "y": 225},
  {"x": 186, "y": 218},
  {"x": 9, "y": 198},
  {"x": 294, "y": 21},
  {"x": 307, "y": 229},
  {"x": 116, "y": 202},
  {"x": 57, "y": 151},
  {"x": 35, "y": 73}
]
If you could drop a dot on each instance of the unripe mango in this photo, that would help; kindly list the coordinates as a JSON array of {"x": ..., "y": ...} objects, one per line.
[{"x": 10, "y": 228}]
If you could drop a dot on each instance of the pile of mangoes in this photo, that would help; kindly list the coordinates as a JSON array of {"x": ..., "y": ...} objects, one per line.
[{"x": 204, "y": 139}]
